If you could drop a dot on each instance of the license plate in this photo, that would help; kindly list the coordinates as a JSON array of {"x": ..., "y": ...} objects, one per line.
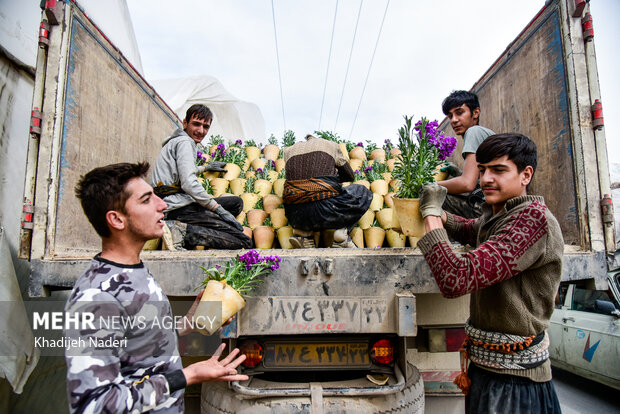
[{"x": 317, "y": 355}]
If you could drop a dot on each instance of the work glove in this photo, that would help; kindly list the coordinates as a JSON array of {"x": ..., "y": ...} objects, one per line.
[
  {"x": 452, "y": 170},
  {"x": 228, "y": 218},
  {"x": 216, "y": 166},
  {"x": 433, "y": 196}
]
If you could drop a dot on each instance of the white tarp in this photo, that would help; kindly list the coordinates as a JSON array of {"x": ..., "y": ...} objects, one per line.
[{"x": 232, "y": 118}]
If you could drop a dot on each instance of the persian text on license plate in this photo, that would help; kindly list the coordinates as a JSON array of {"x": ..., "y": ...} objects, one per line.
[{"x": 317, "y": 355}]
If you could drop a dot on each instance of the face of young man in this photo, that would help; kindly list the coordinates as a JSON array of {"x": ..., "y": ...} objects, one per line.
[
  {"x": 144, "y": 211},
  {"x": 500, "y": 181},
  {"x": 196, "y": 128},
  {"x": 461, "y": 118}
]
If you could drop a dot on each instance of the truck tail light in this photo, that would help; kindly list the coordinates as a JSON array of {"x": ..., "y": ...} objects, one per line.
[
  {"x": 253, "y": 352},
  {"x": 445, "y": 340},
  {"x": 382, "y": 352}
]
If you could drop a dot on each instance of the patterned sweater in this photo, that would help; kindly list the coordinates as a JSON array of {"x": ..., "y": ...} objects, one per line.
[
  {"x": 512, "y": 273},
  {"x": 129, "y": 362},
  {"x": 316, "y": 157}
]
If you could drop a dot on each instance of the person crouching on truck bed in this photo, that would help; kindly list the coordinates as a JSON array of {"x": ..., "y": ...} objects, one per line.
[
  {"x": 464, "y": 195},
  {"x": 512, "y": 275},
  {"x": 195, "y": 217},
  {"x": 314, "y": 200},
  {"x": 138, "y": 366}
]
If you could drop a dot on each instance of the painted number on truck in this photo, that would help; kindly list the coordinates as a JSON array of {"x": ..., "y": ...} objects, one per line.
[{"x": 329, "y": 314}]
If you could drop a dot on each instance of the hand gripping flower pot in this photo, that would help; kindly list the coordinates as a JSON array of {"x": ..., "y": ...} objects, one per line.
[
  {"x": 423, "y": 148},
  {"x": 227, "y": 285}
]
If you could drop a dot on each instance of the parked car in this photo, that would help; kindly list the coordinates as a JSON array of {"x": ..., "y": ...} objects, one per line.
[{"x": 585, "y": 331}]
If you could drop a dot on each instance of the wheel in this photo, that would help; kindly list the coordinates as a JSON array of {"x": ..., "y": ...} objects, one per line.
[{"x": 218, "y": 398}]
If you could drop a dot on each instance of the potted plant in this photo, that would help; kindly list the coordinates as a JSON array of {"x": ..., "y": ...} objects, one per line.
[
  {"x": 230, "y": 283},
  {"x": 422, "y": 149}
]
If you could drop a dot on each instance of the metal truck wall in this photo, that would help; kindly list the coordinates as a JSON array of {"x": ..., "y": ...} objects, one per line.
[
  {"x": 525, "y": 91},
  {"x": 105, "y": 113}
]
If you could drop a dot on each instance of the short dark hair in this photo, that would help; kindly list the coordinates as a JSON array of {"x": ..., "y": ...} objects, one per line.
[
  {"x": 199, "y": 111},
  {"x": 104, "y": 189},
  {"x": 458, "y": 98},
  {"x": 520, "y": 149}
]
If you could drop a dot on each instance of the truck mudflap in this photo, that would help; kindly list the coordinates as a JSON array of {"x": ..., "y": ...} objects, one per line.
[{"x": 220, "y": 398}]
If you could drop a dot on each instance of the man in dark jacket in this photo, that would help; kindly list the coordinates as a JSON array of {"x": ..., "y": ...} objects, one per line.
[{"x": 314, "y": 200}]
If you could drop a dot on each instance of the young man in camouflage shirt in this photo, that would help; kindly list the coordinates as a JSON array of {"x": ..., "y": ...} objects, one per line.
[{"x": 131, "y": 363}]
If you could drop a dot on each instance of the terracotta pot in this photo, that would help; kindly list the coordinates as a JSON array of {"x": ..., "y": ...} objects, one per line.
[
  {"x": 356, "y": 164},
  {"x": 388, "y": 199},
  {"x": 241, "y": 217},
  {"x": 379, "y": 187},
  {"x": 395, "y": 239},
  {"x": 212, "y": 149},
  {"x": 390, "y": 163},
  {"x": 357, "y": 153},
  {"x": 413, "y": 241},
  {"x": 249, "y": 201},
  {"x": 395, "y": 184},
  {"x": 272, "y": 175},
  {"x": 409, "y": 217},
  {"x": 220, "y": 185},
  {"x": 247, "y": 231},
  {"x": 246, "y": 165},
  {"x": 233, "y": 171},
  {"x": 210, "y": 174},
  {"x": 152, "y": 244},
  {"x": 357, "y": 235},
  {"x": 271, "y": 152},
  {"x": 395, "y": 152},
  {"x": 343, "y": 149},
  {"x": 366, "y": 220},
  {"x": 262, "y": 187},
  {"x": 278, "y": 186},
  {"x": 280, "y": 164},
  {"x": 278, "y": 218},
  {"x": 237, "y": 186},
  {"x": 252, "y": 153},
  {"x": 255, "y": 218},
  {"x": 284, "y": 233},
  {"x": 385, "y": 218},
  {"x": 370, "y": 162},
  {"x": 440, "y": 175},
  {"x": 271, "y": 202},
  {"x": 378, "y": 154},
  {"x": 257, "y": 163},
  {"x": 377, "y": 202},
  {"x": 374, "y": 237},
  {"x": 216, "y": 291},
  {"x": 263, "y": 237},
  {"x": 365, "y": 183},
  {"x": 387, "y": 176}
]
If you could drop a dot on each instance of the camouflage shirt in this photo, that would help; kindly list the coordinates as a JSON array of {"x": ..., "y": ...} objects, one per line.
[{"x": 122, "y": 365}]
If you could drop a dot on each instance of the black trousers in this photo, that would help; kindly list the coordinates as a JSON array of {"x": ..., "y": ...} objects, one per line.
[
  {"x": 498, "y": 393},
  {"x": 206, "y": 228}
]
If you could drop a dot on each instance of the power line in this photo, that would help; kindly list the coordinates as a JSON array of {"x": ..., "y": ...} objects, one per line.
[
  {"x": 369, "y": 67},
  {"x": 329, "y": 57},
  {"x": 348, "y": 64},
  {"x": 275, "y": 33}
]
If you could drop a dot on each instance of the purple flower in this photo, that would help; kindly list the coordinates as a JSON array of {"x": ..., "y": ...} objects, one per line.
[
  {"x": 259, "y": 171},
  {"x": 369, "y": 168},
  {"x": 360, "y": 144},
  {"x": 238, "y": 142}
]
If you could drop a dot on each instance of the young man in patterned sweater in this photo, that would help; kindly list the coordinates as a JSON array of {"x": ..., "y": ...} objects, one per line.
[
  {"x": 128, "y": 360},
  {"x": 512, "y": 274}
]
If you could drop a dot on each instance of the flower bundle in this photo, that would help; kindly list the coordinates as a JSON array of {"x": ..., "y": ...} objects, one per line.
[
  {"x": 423, "y": 148},
  {"x": 242, "y": 273}
]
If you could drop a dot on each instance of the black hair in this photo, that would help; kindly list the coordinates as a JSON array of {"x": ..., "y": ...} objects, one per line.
[
  {"x": 198, "y": 111},
  {"x": 104, "y": 189},
  {"x": 520, "y": 149},
  {"x": 458, "y": 98}
]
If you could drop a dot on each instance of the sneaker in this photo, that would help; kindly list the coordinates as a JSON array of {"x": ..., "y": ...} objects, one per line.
[
  {"x": 174, "y": 234},
  {"x": 347, "y": 244},
  {"x": 301, "y": 242}
]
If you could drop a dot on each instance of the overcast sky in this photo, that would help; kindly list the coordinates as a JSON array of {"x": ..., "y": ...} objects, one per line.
[{"x": 426, "y": 49}]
